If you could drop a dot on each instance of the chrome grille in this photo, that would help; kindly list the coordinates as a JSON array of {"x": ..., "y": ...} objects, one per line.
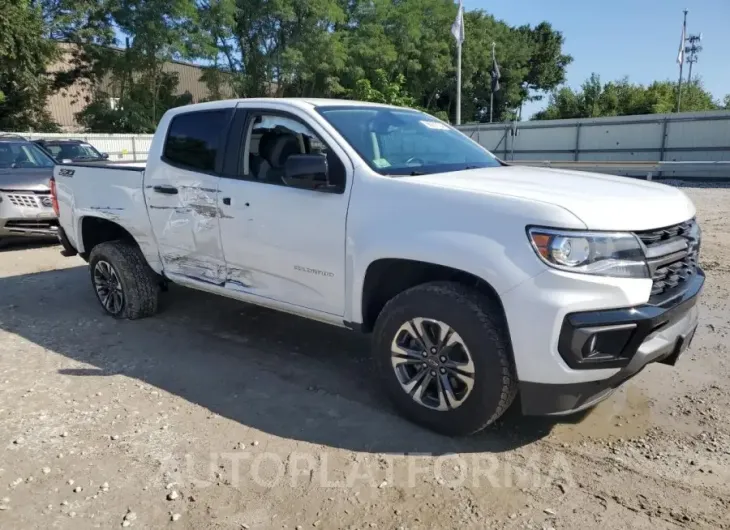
[
  {"x": 672, "y": 255},
  {"x": 28, "y": 201},
  {"x": 31, "y": 224}
]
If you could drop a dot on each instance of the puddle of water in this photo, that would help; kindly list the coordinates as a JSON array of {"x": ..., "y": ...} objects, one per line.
[{"x": 626, "y": 414}]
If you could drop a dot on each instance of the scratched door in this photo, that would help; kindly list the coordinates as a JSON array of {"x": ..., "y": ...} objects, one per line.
[
  {"x": 282, "y": 242},
  {"x": 181, "y": 190}
]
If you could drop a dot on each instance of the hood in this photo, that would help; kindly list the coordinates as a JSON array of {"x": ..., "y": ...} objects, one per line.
[
  {"x": 25, "y": 179},
  {"x": 602, "y": 202}
]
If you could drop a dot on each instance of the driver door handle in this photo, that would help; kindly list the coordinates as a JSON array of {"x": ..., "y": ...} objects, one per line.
[
  {"x": 227, "y": 201},
  {"x": 166, "y": 189}
]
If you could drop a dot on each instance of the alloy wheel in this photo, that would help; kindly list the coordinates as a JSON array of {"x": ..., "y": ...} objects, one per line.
[
  {"x": 108, "y": 287},
  {"x": 432, "y": 363}
]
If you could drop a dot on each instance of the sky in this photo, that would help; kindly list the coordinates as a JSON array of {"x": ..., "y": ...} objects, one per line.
[{"x": 634, "y": 38}]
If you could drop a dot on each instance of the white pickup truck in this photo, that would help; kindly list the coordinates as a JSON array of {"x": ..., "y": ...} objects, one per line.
[{"x": 480, "y": 280}]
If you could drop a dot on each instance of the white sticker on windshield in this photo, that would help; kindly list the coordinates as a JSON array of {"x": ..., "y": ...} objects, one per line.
[
  {"x": 435, "y": 125},
  {"x": 381, "y": 163}
]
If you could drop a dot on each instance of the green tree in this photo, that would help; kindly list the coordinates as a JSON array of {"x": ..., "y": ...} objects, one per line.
[
  {"x": 412, "y": 38},
  {"x": 24, "y": 54},
  {"x": 159, "y": 31},
  {"x": 84, "y": 29},
  {"x": 409, "y": 38},
  {"x": 275, "y": 47},
  {"x": 623, "y": 98},
  {"x": 347, "y": 48},
  {"x": 135, "y": 113},
  {"x": 382, "y": 90},
  {"x": 156, "y": 32}
]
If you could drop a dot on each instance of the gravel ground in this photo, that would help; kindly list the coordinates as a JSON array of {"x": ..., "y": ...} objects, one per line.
[{"x": 218, "y": 415}]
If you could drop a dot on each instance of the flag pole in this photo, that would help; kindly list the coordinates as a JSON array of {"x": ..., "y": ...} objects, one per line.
[
  {"x": 681, "y": 62},
  {"x": 491, "y": 94},
  {"x": 457, "y": 30},
  {"x": 458, "y": 82}
]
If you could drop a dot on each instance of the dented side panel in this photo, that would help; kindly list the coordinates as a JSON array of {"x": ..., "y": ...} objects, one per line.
[{"x": 186, "y": 224}]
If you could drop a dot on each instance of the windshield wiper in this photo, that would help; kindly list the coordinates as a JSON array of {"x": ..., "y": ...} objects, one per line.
[{"x": 415, "y": 173}]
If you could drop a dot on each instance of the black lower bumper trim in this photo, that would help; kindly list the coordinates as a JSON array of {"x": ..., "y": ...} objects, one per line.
[
  {"x": 540, "y": 399},
  {"x": 610, "y": 338},
  {"x": 665, "y": 346}
]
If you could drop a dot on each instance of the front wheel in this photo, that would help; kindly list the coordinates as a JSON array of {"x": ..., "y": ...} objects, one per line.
[
  {"x": 124, "y": 283},
  {"x": 444, "y": 354}
]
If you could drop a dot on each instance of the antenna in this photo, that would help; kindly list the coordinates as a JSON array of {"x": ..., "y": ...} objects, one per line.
[{"x": 692, "y": 50}]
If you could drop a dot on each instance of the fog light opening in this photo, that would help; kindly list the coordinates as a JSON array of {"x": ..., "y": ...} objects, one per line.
[{"x": 599, "y": 344}]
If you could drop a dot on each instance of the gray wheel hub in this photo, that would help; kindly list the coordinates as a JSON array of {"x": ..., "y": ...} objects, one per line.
[
  {"x": 108, "y": 287},
  {"x": 432, "y": 364}
]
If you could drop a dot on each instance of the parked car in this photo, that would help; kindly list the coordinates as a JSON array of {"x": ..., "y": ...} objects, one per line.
[
  {"x": 478, "y": 279},
  {"x": 25, "y": 200},
  {"x": 71, "y": 150}
]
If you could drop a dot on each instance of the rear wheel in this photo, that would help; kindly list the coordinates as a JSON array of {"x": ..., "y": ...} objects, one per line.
[
  {"x": 444, "y": 354},
  {"x": 124, "y": 283}
]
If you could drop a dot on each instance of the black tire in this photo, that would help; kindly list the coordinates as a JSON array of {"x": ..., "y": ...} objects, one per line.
[
  {"x": 139, "y": 284},
  {"x": 479, "y": 322}
]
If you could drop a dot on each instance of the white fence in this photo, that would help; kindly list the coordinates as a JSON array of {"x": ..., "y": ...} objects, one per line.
[
  {"x": 697, "y": 136},
  {"x": 121, "y": 147},
  {"x": 685, "y": 137}
]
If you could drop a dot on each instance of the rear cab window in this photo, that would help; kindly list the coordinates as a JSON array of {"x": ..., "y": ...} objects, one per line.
[{"x": 195, "y": 140}]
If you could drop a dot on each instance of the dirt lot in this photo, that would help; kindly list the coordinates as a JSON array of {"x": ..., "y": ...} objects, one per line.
[{"x": 217, "y": 415}]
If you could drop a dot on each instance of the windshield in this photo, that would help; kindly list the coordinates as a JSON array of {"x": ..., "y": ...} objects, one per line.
[
  {"x": 406, "y": 142},
  {"x": 23, "y": 155},
  {"x": 73, "y": 151}
]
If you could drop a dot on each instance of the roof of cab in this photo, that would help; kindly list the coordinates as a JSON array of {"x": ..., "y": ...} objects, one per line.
[{"x": 298, "y": 102}]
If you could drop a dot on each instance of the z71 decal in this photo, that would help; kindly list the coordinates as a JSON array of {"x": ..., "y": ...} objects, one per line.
[{"x": 66, "y": 172}]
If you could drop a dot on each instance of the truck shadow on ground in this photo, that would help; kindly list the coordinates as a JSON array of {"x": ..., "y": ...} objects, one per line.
[
  {"x": 20, "y": 243},
  {"x": 273, "y": 372}
]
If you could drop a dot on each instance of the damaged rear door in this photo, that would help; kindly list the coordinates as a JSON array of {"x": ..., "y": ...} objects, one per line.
[{"x": 181, "y": 190}]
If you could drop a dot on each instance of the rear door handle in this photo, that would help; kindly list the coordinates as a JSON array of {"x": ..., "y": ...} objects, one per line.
[
  {"x": 168, "y": 190},
  {"x": 227, "y": 201}
]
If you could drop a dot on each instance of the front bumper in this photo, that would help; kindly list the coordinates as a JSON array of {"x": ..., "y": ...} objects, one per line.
[
  {"x": 26, "y": 214},
  {"x": 648, "y": 334}
]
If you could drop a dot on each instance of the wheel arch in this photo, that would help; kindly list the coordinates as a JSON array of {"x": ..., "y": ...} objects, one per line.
[
  {"x": 387, "y": 277},
  {"x": 94, "y": 230}
]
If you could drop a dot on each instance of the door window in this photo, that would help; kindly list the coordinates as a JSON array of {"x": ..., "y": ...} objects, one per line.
[
  {"x": 194, "y": 139},
  {"x": 270, "y": 141}
]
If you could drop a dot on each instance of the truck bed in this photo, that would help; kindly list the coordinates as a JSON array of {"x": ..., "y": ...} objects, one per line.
[{"x": 112, "y": 192}]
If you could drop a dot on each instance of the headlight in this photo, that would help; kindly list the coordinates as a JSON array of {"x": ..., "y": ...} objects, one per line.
[{"x": 603, "y": 254}]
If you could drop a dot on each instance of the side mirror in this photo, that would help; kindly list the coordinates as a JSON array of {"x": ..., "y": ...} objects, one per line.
[
  {"x": 312, "y": 167},
  {"x": 105, "y": 156}
]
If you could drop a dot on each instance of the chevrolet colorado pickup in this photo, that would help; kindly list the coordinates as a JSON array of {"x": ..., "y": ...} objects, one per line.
[{"x": 479, "y": 280}]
